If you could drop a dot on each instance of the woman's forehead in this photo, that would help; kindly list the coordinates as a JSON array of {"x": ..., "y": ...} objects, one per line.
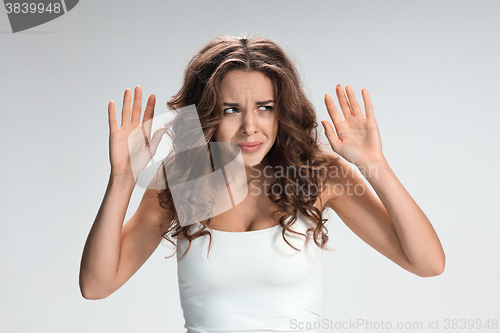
[{"x": 239, "y": 84}]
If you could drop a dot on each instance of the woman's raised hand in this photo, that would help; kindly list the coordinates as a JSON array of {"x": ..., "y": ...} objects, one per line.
[
  {"x": 356, "y": 137},
  {"x": 131, "y": 146}
]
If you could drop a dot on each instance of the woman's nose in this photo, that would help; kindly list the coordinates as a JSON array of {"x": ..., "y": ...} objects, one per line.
[{"x": 248, "y": 126}]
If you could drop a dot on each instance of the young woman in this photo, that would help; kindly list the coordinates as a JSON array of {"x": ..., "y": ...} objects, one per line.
[{"x": 255, "y": 267}]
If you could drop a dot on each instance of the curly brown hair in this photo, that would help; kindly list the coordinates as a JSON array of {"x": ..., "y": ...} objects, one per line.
[{"x": 296, "y": 147}]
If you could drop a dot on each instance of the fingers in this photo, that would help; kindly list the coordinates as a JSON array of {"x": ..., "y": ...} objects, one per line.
[
  {"x": 368, "y": 103},
  {"x": 135, "y": 111},
  {"x": 344, "y": 103},
  {"x": 126, "y": 106},
  {"x": 147, "y": 121},
  {"x": 331, "y": 135},
  {"x": 355, "y": 108},
  {"x": 113, "y": 123},
  {"x": 336, "y": 118},
  {"x": 349, "y": 104},
  {"x": 332, "y": 110},
  {"x": 136, "y": 108}
]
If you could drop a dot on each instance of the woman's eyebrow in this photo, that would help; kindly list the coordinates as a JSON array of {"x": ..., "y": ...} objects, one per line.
[
  {"x": 230, "y": 104},
  {"x": 265, "y": 102},
  {"x": 258, "y": 103}
]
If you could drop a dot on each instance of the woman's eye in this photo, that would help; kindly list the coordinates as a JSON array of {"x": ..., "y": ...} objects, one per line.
[
  {"x": 230, "y": 110},
  {"x": 265, "y": 108}
]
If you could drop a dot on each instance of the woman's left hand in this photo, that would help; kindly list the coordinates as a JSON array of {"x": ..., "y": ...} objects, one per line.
[{"x": 356, "y": 138}]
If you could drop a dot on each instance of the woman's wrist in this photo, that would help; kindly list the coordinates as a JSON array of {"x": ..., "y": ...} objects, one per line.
[
  {"x": 122, "y": 180},
  {"x": 373, "y": 167}
]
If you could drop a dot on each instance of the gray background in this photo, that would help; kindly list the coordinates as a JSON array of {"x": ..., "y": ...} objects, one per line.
[{"x": 431, "y": 67}]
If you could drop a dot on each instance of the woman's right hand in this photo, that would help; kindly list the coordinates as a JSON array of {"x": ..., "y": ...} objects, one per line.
[{"x": 131, "y": 146}]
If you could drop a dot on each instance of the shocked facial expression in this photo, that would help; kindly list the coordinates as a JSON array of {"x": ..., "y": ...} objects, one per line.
[{"x": 249, "y": 118}]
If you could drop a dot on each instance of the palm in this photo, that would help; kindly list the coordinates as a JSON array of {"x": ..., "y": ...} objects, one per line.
[
  {"x": 356, "y": 137},
  {"x": 131, "y": 146}
]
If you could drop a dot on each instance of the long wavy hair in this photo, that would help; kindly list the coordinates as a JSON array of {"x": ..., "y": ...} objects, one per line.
[{"x": 295, "y": 150}]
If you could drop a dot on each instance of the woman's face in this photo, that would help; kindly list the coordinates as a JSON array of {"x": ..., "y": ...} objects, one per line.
[{"x": 250, "y": 118}]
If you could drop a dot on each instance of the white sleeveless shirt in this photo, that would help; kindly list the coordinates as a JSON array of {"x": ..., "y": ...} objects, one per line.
[{"x": 251, "y": 281}]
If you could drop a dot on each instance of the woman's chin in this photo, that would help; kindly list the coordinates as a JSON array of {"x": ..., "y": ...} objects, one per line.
[{"x": 254, "y": 162}]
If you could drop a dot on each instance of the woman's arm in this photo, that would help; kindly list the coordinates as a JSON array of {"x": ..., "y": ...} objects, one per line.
[
  {"x": 394, "y": 224},
  {"x": 113, "y": 252}
]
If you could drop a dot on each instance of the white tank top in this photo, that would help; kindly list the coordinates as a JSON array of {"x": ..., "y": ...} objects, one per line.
[{"x": 251, "y": 281}]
